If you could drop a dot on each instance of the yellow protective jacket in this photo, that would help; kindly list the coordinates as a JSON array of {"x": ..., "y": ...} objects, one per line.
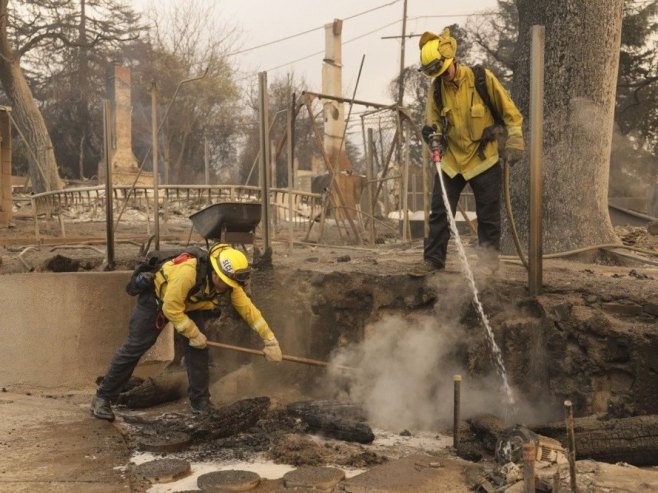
[
  {"x": 467, "y": 116},
  {"x": 173, "y": 283}
]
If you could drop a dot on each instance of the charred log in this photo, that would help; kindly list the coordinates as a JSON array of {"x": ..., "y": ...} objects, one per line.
[
  {"x": 342, "y": 421},
  {"x": 155, "y": 390},
  {"x": 633, "y": 440},
  {"x": 230, "y": 420}
]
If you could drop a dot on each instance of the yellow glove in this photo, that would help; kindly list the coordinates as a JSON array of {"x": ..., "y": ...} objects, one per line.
[
  {"x": 198, "y": 340},
  {"x": 272, "y": 350}
]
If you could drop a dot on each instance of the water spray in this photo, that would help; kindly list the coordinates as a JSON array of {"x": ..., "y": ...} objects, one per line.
[{"x": 435, "y": 147}]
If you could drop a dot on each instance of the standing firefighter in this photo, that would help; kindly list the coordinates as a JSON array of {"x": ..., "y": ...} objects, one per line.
[
  {"x": 470, "y": 110},
  {"x": 185, "y": 291}
]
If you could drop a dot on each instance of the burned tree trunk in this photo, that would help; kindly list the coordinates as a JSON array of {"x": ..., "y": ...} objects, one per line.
[
  {"x": 43, "y": 166},
  {"x": 581, "y": 60},
  {"x": 633, "y": 440}
]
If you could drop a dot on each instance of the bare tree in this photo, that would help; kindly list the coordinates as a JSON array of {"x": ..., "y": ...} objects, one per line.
[
  {"x": 581, "y": 62},
  {"x": 38, "y": 31},
  {"x": 43, "y": 167}
]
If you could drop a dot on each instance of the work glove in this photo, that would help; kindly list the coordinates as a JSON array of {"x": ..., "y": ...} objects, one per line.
[
  {"x": 513, "y": 156},
  {"x": 514, "y": 149},
  {"x": 199, "y": 341},
  {"x": 272, "y": 350},
  {"x": 427, "y": 131}
]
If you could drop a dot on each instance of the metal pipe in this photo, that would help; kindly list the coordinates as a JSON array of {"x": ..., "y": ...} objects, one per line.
[
  {"x": 345, "y": 100},
  {"x": 370, "y": 148},
  {"x": 536, "y": 160},
  {"x": 109, "y": 203},
  {"x": 529, "y": 456},
  {"x": 457, "y": 379},
  {"x": 154, "y": 155},
  {"x": 265, "y": 156},
  {"x": 571, "y": 445},
  {"x": 291, "y": 159}
]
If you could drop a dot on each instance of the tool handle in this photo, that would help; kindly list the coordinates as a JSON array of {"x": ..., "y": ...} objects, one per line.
[{"x": 294, "y": 359}]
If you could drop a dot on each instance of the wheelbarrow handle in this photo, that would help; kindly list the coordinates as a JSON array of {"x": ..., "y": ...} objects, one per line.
[{"x": 294, "y": 359}]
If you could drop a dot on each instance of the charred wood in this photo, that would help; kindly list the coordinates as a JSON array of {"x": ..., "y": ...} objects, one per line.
[{"x": 633, "y": 440}]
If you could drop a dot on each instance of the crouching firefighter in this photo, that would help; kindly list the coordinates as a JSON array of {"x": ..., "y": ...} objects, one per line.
[{"x": 185, "y": 291}]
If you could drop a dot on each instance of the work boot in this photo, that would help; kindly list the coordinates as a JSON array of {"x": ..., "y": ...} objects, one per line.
[
  {"x": 426, "y": 268},
  {"x": 201, "y": 406},
  {"x": 101, "y": 408}
]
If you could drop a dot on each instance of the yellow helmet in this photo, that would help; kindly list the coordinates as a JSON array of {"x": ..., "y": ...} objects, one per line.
[
  {"x": 436, "y": 52},
  {"x": 230, "y": 264}
]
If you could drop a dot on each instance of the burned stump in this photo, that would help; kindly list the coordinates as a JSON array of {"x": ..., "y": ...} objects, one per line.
[
  {"x": 224, "y": 481},
  {"x": 163, "y": 470}
]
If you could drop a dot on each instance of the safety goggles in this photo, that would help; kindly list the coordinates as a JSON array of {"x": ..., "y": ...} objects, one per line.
[
  {"x": 432, "y": 68},
  {"x": 241, "y": 276}
]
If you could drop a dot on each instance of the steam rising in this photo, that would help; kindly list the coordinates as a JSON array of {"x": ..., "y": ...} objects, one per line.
[{"x": 405, "y": 368}]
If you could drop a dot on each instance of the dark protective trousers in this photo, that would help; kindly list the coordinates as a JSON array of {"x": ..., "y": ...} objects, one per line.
[
  {"x": 142, "y": 334},
  {"x": 486, "y": 188}
]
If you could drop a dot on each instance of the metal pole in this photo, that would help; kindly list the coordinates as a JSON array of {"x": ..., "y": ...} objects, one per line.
[
  {"x": 536, "y": 160},
  {"x": 571, "y": 441},
  {"x": 529, "y": 456},
  {"x": 457, "y": 405},
  {"x": 426, "y": 192},
  {"x": 206, "y": 161},
  {"x": 265, "y": 157},
  {"x": 291, "y": 158},
  {"x": 109, "y": 219},
  {"x": 370, "y": 146},
  {"x": 403, "y": 42},
  {"x": 154, "y": 154}
]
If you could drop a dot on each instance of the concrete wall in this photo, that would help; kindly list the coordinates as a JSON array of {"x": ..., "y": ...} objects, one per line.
[{"x": 61, "y": 330}]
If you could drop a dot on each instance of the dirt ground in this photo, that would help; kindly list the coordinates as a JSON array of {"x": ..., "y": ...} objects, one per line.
[{"x": 50, "y": 444}]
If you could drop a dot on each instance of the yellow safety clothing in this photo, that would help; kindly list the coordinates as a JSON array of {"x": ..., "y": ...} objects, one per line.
[
  {"x": 466, "y": 116},
  {"x": 173, "y": 283}
]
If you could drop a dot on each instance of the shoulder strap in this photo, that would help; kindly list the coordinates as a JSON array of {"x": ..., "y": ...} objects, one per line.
[
  {"x": 481, "y": 87},
  {"x": 157, "y": 259},
  {"x": 438, "y": 98}
]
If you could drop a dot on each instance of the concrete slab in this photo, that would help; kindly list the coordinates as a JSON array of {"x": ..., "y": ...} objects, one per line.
[
  {"x": 412, "y": 474},
  {"x": 72, "y": 326},
  {"x": 54, "y": 445}
]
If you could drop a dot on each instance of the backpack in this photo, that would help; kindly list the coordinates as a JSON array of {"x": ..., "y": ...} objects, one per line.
[
  {"x": 497, "y": 130},
  {"x": 143, "y": 275}
]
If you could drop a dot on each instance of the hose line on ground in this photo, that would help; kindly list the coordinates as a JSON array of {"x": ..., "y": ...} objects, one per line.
[
  {"x": 602, "y": 246},
  {"x": 517, "y": 242},
  {"x": 510, "y": 215}
]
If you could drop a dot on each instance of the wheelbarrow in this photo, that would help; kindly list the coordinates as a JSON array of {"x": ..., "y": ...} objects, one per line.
[{"x": 228, "y": 222}]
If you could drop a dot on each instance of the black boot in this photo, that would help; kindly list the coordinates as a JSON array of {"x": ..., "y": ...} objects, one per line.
[
  {"x": 101, "y": 408},
  {"x": 201, "y": 406}
]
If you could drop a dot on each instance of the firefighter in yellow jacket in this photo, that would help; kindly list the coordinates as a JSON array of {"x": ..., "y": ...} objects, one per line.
[
  {"x": 471, "y": 154},
  {"x": 178, "y": 296}
]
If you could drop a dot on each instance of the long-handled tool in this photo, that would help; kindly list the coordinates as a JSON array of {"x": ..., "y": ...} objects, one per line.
[{"x": 294, "y": 359}]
